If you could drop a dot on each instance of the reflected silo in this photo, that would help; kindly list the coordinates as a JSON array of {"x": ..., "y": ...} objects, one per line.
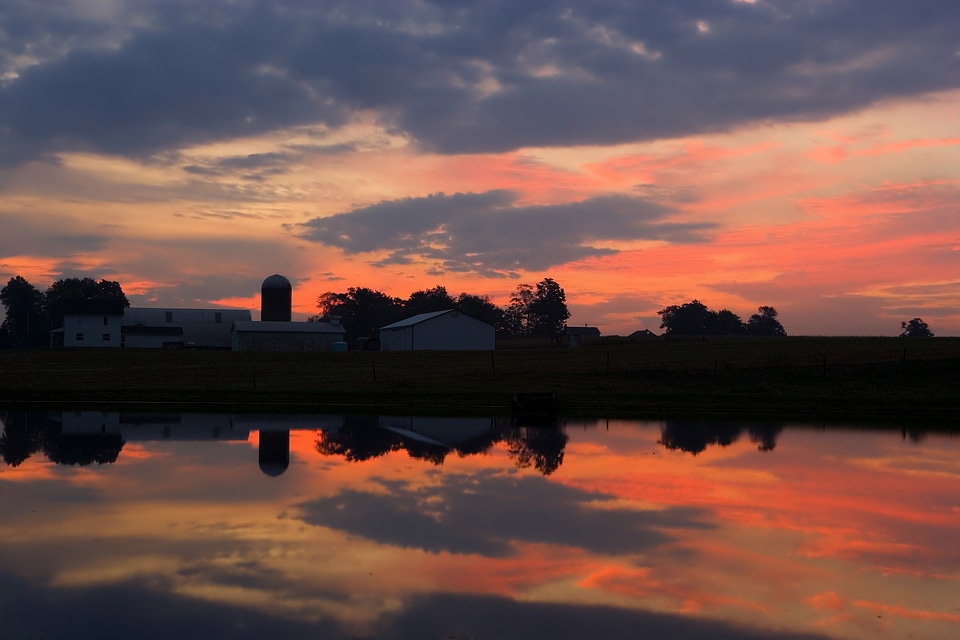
[
  {"x": 276, "y": 299},
  {"x": 274, "y": 452}
]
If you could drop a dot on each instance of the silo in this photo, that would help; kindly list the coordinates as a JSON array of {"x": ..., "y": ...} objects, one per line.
[{"x": 276, "y": 299}]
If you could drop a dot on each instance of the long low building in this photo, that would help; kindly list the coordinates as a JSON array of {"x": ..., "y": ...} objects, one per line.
[
  {"x": 286, "y": 336},
  {"x": 106, "y": 323}
]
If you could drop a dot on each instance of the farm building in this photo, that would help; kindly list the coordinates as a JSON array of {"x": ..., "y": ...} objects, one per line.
[
  {"x": 157, "y": 327},
  {"x": 285, "y": 336},
  {"x": 575, "y": 336},
  {"x": 89, "y": 323},
  {"x": 440, "y": 330}
]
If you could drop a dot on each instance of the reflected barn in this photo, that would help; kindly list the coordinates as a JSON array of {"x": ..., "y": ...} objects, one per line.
[{"x": 424, "y": 527}]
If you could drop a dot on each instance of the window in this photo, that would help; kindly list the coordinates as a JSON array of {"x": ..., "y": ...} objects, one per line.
[
  {"x": 169, "y": 316},
  {"x": 106, "y": 320},
  {"x": 79, "y": 337},
  {"x": 106, "y": 337},
  {"x": 217, "y": 317}
]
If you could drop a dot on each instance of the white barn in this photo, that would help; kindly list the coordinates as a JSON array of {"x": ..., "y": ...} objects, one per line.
[
  {"x": 449, "y": 330},
  {"x": 206, "y": 328}
]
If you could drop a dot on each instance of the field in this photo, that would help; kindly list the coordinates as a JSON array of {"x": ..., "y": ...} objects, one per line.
[{"x": 866, "y": 375}]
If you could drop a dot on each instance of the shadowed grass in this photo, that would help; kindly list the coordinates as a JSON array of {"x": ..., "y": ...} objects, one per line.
[{"x": 785, "y": 374}]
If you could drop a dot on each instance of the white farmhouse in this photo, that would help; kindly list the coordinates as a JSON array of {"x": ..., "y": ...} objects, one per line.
[
  {"x": 441, "y": 330},
  {"x": 89, "y": 323}
]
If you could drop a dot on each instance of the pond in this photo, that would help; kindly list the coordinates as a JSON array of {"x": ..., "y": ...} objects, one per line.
[{"x": 159, "y": 525}]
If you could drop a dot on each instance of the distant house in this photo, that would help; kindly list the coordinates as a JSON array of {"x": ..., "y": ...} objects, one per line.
[
  {"x": 285, "y": 336},
  {"x": 643, "y": 333},
  {"x": 449, "y": 330},
  {"x": 89, "y": 323},
  {"x": 575, "y": 336}
]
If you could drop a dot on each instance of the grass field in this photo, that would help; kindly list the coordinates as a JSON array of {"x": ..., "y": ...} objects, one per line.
[{"x": 874, "y": 375}]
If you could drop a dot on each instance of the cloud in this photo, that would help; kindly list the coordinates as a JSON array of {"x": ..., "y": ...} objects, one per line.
[
  {"x": 456, "y": 77},
  {"x": 467, "y": 517},
  {"x": 490, "y": 234}
]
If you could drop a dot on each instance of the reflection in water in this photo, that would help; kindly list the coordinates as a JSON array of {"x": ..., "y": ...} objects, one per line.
[
  {"x": 695, "y": 437},
  {"x": 380, "y": 527}
]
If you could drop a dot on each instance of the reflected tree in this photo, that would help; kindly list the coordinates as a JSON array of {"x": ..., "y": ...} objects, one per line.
[
  {"x": 695, "y": 437},
  {"x": 540, "y": 447}
]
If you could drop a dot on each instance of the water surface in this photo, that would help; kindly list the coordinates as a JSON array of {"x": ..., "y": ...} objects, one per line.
[{"x": 309, "y": 526}]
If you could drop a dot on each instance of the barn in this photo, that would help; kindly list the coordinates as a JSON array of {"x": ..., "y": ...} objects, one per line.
[
  {"x": 439, "y": 330},
  {"x": 286, "y": 336}
]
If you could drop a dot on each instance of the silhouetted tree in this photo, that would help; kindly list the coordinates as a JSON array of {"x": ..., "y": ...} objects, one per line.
[
  {"x": 23, "y": 435},
  {"x": 427, "y": 301},
  {"x": 362, "y": 311},
  {"x": 694, "y": 437},
  {"x": 78, "y": 289},
  {"x": 481, "y": 308},
  {"x": 537, "y": 312},
  {"x": 729, "y": 324},
  {"x": 542, "y": 447},
  {"x": 765, "y": 323},
  {"x": 24, "y": 324},
  {"x": 358, "y": 439},
  {"x": 916, "y": 328},
  {"x": 690, "y": 319}
]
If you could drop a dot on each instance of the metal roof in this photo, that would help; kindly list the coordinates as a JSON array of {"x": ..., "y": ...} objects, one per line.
[{"x": 417, "y": 319}]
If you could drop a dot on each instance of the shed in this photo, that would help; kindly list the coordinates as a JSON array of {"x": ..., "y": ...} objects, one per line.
[
  {"x": 575, "y": 336},
  {"x": 285, "y": 336},
  {"x": 440, "y": 330}
]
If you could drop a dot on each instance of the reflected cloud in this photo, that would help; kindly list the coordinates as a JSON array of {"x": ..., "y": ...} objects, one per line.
[{"x": 487, "y": 514}]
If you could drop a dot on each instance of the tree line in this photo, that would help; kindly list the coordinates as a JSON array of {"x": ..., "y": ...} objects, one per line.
[
  {"x": 695, "y": 319},
  {"x": 32, "y": 314},
  {"x": 534, "y": 311}
]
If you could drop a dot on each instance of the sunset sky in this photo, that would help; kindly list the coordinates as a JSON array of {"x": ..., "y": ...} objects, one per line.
[{"x": 803, "y": 154}]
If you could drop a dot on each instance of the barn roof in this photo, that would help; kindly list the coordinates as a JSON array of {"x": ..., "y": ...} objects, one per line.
[
  {"x": 417, "y": 319},
  {"x": 423, "y": 317}
]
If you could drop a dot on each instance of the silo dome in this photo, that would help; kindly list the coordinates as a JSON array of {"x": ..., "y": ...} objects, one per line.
[{"x": 276, "y": 299}]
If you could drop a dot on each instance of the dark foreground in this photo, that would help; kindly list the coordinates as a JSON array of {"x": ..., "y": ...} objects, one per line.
[{"x": 863, "y": 375}]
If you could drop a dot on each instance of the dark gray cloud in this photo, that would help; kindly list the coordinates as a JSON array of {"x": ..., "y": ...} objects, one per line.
[
  {"x": 486, "y": 517},
  {"x": 489, "y": 234},
  {"x": 457, "y": 77}
]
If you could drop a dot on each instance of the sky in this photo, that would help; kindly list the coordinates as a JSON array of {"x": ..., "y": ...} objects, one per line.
[{"x": 801, "y": 154}]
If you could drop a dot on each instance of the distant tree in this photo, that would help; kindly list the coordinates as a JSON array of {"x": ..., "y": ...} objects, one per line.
[
  {"x": 24, "y": 324},
  {"x": 481, "y": 308},
  {"x": 690, "y": 319},
  {"x": 727, "y": 323},
  {"x": 548, "y": 313},
  {"x": 765, "y": 323},
  {"x": 362, "y": 311},
  {"x": 78, "y": 289},
  {"x": 916, "y": 328},
  {"x": 427, "y": 301},
  {"x": 516, "y": 323},
  {"x": 537, "y": 312}
]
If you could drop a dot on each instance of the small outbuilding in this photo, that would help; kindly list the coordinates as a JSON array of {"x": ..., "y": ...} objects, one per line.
[
  {"x": 575, "y": 336},
  {"x": 285, "y": 336},
  {"x": 449, "y": 330}
]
